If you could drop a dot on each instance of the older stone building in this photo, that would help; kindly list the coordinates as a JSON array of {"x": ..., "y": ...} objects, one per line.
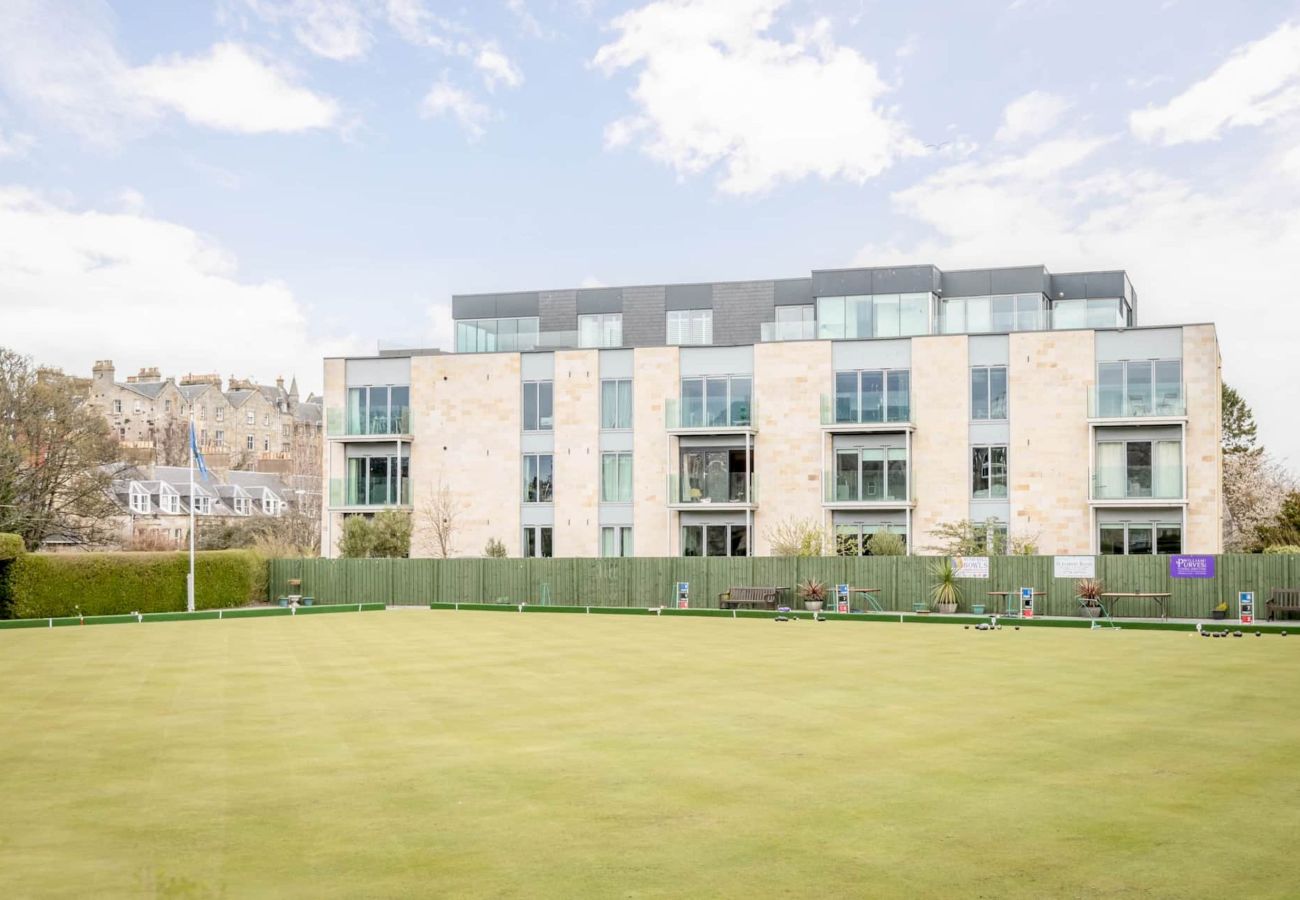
[{"x": 247, "y": 426}]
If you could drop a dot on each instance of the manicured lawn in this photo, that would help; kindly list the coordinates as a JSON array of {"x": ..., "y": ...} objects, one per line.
[{"x": 496, "y": 754}]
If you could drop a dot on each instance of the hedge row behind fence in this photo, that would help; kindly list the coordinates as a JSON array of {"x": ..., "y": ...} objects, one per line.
[
  {"x": 42, "y": 585},
  {"x": 652, "y": 581}
]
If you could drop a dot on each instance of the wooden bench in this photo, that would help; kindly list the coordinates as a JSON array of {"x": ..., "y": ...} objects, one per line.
[
  {"x": 753, "y": 597},
  {"x": 1283, "y": 600}
]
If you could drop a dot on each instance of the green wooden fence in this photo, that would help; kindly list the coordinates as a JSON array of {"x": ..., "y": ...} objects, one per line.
[{"x": 644, "y": 582}]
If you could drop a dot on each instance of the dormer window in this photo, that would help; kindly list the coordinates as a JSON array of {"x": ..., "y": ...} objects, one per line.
[
  {"x": 241, "y": 506},
  {"x": 170, "y": 503},
  {"x": 139, "y": 501}
]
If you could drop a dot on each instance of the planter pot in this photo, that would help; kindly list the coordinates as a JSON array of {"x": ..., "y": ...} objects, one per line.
[
  {"x": 1092, "y": 612},
  {"x": 977, "y": 608},
  {"x": 945, "y": 609},
  {"x": 813, "y": 605},
  {"x": 1218, "y": 614}
]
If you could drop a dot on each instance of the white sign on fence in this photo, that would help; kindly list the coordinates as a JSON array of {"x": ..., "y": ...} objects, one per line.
[
  {"x": 1074, "y": 567},
  {"x": 971, "y": 566}
]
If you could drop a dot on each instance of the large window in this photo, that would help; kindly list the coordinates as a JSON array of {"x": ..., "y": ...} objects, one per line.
[
  {"x": 1138, "y": 469},
  {"x": 988, "y": 392},
  {"x": 539, "y": 414},
  {"x": 170, "y": 502},
  {"x": 872, "y": 474},
  {"x": 379, "y": 409},
  {"x": 1139, "y": 538},
  {"x": 715, "y": 540},
  {"x": 989, "y": 472},
  {"x": 1093, "y": 313},
  {"x": 718, "y": 401},
  {"x": 996, "y": 314},
  {"x": 878, "y": 315},
  {"x": 537, "y": 477},
  {"x": 600, "y": 330},
  {"x": 616, "y": 540},
  {"x": 537, "y": 541},
  {"x": 873, "y": 395},
  {"x": 616, "y": 403},
  {"x": 690, "y": 326},
  {"x": 139, "y": 501},
  {"x": 1139, "y": 387},
  {"x": 715, "y": 475},
  {"x": 616, "y": 477},
  {"x": 793, "y": 323},
  {"x": 378, "y": 481},
  {"x": 487, "y": 335}
]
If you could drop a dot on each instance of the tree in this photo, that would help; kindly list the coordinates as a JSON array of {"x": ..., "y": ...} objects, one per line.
[
  {"x": 494, "y": 549},
  {"x": 797, "y": 537},
  {"x": 57, "y": 457},
  {"x": 392, "y": 530},
  {"x": 1254, "y": 487},
  {"x": 172, "y": 442},
  {"x": 1239, "y": 429},
  {"x": 358, "y": 539},
  {"x": 988, "y": 538},
  {"x": 1284, "y": 530},
  {"x": 886, "y": 543},
  {"x": 439, "y": 518}
]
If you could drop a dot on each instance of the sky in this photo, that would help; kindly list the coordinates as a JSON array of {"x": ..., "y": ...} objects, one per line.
[{"x": 246, "y": 186}]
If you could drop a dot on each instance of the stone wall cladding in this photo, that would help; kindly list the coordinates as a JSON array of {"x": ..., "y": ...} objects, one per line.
[
  {"x": 1049, "y": 375},
  {"x": 333, "y": 462},
  {"x": 644, "y": 324},
  {"x": 655, "y": 379},
  {"x": 740, "y": 308},
  {"x": 470, "y": 405},
  {"x": 1203, "y": 452},
  {"x": 940, "y": 448},
  {"x": 789, "y": 379},
  {"x": 577, "y": 453}
]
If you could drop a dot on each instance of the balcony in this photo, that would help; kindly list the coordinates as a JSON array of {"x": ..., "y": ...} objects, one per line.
[
  {"x": 1167, "y": 402},
  {"x": 720, "y": 492},
  {"x": 1138, "y": 487},
  {"x": 344, "y": 425},
  {"x": 846, "y": 416},
  {"x": 354, "y": 494},
  {"x": 787, "y": 331},
  {"x": 868, "y": 491},
  {"x": 736, "y": 417}
]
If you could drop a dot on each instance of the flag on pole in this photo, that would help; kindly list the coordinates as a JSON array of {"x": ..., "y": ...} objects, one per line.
[{"x": 196, "y": 455}]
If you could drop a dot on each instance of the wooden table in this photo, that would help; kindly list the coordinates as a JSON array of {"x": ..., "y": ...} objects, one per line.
[{"x": 1143, "y": 595}]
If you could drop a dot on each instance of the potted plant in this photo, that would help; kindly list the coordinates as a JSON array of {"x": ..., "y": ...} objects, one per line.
[
  {"x": 945, "y": 593},
  {"x": 813, "y": 594},
  {"x": 1088, "y": 590},
  {"x": 1220, "y": 611}
]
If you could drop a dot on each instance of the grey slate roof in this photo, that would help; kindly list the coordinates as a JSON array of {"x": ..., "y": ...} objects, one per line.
[{"x": 150, "y": 389}]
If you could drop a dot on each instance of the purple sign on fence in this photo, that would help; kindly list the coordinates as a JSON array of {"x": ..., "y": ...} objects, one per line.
[{"x": 1191, "y": 567}]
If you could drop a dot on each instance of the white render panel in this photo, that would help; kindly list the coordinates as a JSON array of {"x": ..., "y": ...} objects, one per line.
[{"x": 378, "y": 370}]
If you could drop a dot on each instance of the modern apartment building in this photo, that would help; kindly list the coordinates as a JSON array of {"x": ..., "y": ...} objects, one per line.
[{"x": 692, "y": 419}]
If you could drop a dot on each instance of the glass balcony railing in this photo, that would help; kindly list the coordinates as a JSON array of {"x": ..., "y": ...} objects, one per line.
[
  {"x": 837, "y": 410},
  {"x": 886, "y": 490},
  {"x": 1161, "y": 483},
  {"x": 713, "y": 489},
  {"x": 788, "y": 331},
  {"x": 707, "y": 415},
  {"x": 340, "y": 422},
  {"x": 377, "y": 493},
  {"x": 1146, "y": 402}
]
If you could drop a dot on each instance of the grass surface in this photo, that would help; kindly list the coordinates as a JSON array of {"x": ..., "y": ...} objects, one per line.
[{"x": 478, "y": 754}]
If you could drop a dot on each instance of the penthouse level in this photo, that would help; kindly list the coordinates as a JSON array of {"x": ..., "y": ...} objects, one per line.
[{"x": 1092, "y": 436}]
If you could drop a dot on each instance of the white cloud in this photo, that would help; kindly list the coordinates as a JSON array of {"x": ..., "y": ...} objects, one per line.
[
  {"x": 715, "y": 90},
  {"x": 497, "y": 67},
  {"x": 78, "y": 285},
  {"x": 59, "y": 58},
  {"x": 230, "y": 89},
  {"x": 1031, "y": 115},
  {"x": 445, "y": 99},
  {"x": 1260, "y": 82},
  {"x": 1197, "y": 250},
  {"x": 15, "y": 145},
  {"x": 334, "y": 29}
]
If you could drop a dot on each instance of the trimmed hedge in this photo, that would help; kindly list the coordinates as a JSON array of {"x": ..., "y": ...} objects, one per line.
[
  {"x": 55, "y": 584},
  {"x": 11, "y": 546}
]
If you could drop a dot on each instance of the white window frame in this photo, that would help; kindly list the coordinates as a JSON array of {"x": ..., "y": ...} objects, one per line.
[
  {"x": 117, "y": 407},
  {"x": 139, "y": 500},
  {"x": 688, "y": 327},
  {"x": 241, "y": 505},
  {"x": 169, "y": 503},
  {"x": 250, "y": 442},
  {"x": 621, "y": 539},
  {"x": 608, "y": 330},
  {"x": 250, "y": 418}
]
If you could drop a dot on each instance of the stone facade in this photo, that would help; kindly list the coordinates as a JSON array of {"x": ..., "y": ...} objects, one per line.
[
  {"x": 1203, "y": 452},
  {"x": 940, "y": 450},
  {"x": 1049, "y": 375},
  {"x": 577, "y": 453},
  {"x": 656, "y": 379}
]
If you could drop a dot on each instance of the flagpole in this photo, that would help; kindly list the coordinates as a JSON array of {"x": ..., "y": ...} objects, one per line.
[{"x": 189, "y": 582}]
